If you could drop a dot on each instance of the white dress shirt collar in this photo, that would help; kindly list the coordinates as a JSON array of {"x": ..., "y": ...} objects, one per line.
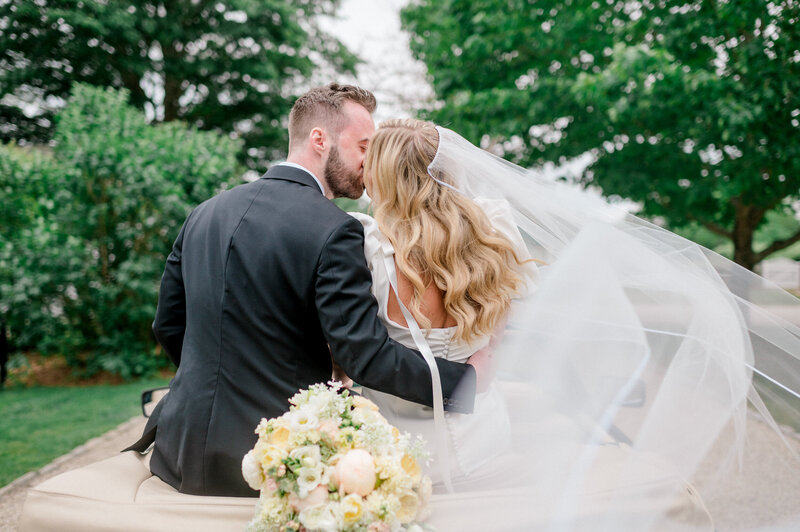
[{"x": 300, "y": 167}]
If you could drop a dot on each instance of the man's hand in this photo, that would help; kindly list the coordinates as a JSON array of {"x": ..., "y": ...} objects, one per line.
[
  {"x": 340, "y": 375},
  {"x": 484, "y": 363}
]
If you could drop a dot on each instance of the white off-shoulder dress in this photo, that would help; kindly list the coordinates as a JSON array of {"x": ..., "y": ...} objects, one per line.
[{"x": 466, "y": 455}]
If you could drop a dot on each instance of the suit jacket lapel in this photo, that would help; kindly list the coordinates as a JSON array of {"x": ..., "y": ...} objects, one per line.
[{"x": 290, "y": 173}]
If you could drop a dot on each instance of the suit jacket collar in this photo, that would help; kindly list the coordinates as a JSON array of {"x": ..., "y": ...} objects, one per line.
[{"x": 290, "y": 173}]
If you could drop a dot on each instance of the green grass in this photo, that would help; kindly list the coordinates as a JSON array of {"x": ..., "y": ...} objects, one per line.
[{"x": 39, "y": 424}]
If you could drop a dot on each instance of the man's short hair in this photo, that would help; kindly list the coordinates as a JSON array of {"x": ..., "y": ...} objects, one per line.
[{"x": 322, "y": 107}]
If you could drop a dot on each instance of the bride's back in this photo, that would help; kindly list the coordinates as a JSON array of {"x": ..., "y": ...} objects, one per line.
[{"x": 431, "y": 306}]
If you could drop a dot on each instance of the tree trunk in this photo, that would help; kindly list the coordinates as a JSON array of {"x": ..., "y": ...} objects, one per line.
[
  {"x": 131, "y": 81},
  {"x": 746, "y": 220},
  {"x": 172, "y": 92}
]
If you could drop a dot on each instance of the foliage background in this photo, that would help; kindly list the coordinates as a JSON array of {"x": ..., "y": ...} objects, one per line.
[
  {"x": 231, "y": 66},
  {"x": 118, "y": 118},
  {"x": 92, "y": 220},
  {"x": 691, "y": 109}
]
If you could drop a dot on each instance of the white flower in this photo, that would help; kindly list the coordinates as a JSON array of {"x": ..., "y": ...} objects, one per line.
[
  {"x": 382, "y": 504},
  {"x": 318, "y": 404},
  {"x": 375, "y": 437},
  {"x": 308, "y": 455},
  {"x": 300, "y": 420},
  {"x": 322, "y": 517},
  {"x": 271, "y": 511},
  {"x": 261, "y": 429},
  {"x": 252, "y": 472},
  {"x": 308, "y": 478},
  {"x": 424, "y": 492},
  {"x": 409, "y": 506}
]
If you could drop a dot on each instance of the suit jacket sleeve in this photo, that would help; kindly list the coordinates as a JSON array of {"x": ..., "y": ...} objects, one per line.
[
  {"x": 170, "y": 321},
  {"x": 360, "y": 343}
]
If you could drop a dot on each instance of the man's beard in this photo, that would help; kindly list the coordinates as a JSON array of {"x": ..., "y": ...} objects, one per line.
[{"x": 343, "y": 182}]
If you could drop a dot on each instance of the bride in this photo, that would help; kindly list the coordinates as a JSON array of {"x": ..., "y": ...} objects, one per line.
[
  {"x": 456, "y": 265},
  {"x": 630, "y": 384}
]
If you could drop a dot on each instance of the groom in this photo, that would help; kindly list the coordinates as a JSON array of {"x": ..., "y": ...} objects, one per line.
[{"x": 265, "y": 286}]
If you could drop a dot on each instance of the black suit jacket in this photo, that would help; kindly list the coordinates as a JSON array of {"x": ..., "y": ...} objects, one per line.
[{"x": 260, "y": 281}]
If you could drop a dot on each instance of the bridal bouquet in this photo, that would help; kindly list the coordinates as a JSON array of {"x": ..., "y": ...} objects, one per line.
[{"x": 333, "y": 463}]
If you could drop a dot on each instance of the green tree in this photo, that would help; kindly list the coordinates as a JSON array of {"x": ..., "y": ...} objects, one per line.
[
  {"x": 690, "y": 108},
  {"x": 31, "y": 248},
  {"x": 228, "y": 65},
  {"x": 91, "y": 233}
]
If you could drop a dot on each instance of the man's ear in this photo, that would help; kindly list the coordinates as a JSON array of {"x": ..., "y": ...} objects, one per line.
[{"x": 319, "y": 140}]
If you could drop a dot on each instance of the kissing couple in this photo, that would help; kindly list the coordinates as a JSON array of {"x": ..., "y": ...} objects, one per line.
[
  {"x": 270, "y": 286},
  {"x": 571, "y": 366}
]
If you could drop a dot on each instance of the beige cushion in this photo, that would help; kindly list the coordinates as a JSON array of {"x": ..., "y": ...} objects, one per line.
[{"x": 120, "y": 493}]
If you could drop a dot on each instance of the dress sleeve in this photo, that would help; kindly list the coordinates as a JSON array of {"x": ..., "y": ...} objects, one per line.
[
  {"x": 373, "y": 238},
  {"x": 376, "y": 247}
]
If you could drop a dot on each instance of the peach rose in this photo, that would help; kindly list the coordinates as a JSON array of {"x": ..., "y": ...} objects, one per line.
[
  {"x": 329, "y": 427},
  {"x": 318, "y": 495},
  {"x": 355, "y": 473},
  {"x": 379, "y": 526}
]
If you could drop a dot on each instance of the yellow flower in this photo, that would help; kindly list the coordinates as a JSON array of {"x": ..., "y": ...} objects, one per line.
[
  {"x": 363, "y": 402},
  {"x": 280, "y": 437},
  {"x": 411, "y": 467},
  {"x": 352, "y": 509},
  {"x": 268, "y": 455}
]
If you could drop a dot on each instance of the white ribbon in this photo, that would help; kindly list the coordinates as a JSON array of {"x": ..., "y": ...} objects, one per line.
[{"x": 440, "y": 426}]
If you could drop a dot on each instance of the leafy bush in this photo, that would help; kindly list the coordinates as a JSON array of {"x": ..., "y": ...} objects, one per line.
[{"x": 82, "y": 256}]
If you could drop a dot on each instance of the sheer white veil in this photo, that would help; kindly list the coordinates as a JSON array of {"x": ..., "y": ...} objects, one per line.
[{"x": 651, "y": 383}]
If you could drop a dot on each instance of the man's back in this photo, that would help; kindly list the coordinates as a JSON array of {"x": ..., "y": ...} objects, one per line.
[{"x": 252, "y": 335}]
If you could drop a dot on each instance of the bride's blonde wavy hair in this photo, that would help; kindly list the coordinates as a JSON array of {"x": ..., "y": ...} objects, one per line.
[{"x": 438, "y": 234}]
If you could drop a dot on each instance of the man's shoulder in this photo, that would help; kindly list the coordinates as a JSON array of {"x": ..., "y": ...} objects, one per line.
[
  {"x": 303, "y": 207},
  {"x": 235, "y": 193}
]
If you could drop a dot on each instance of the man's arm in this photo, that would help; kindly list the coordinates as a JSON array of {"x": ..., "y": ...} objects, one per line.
[
  {"x": 360, "y": 343},
  {"x": 170, "y": 321}
]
